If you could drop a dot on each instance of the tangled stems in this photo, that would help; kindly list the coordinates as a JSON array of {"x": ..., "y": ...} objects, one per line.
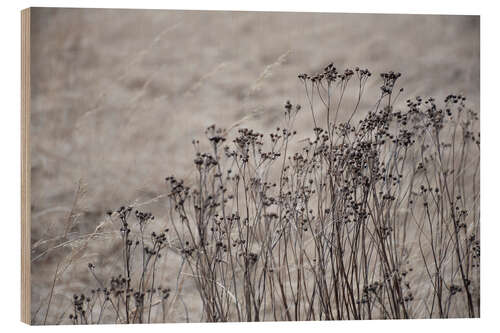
[{"x": 375, "y": 216}]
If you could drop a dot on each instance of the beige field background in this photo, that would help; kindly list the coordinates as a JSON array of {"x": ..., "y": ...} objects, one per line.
[{"x": 118, "y": 95}]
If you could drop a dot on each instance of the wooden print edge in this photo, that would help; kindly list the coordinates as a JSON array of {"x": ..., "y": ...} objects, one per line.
[{"x": 25, "y": 169}]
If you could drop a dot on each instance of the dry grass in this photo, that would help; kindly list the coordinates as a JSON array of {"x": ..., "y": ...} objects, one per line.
[{"x": 115, "y": 107}]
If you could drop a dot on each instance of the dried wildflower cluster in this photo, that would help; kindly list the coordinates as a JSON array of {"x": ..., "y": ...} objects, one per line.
[
  {"x": 130, "y": 296},
  {"x": 375, "y": 216}
]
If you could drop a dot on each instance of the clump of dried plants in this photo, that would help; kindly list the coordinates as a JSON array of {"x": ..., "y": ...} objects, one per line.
[{"x": 373, "y": 217}]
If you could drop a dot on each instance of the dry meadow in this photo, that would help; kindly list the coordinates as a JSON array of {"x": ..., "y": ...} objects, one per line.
[{"x": 118, "y": 96}]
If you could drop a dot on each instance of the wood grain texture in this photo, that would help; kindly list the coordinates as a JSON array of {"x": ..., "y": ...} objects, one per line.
[{"x": 25, "y": 169}]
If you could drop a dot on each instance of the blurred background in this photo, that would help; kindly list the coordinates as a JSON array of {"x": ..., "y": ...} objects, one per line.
[{"x": 118, "y": 96}]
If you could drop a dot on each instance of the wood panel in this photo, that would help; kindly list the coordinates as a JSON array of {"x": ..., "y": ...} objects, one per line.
[{"x": 25, "y": 169}]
